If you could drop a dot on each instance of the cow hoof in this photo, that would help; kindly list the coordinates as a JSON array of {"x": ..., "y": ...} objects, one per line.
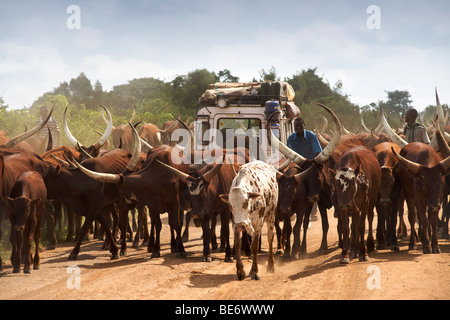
[
  {"x": 413, "y": 247},
  {"x": 73, "y": 256},
  {"x": 114, "y": 256},
  {"x": 181, "y": 255},
  {"x": 426, "y": 250},
  {"x": 436, "y": 250},
  {"x": 255, "y": 276},
  {"x": 395, "y": 248},
  {"x": 364, "y": 258},
  {"x": 229, "y": 259},
  {"x": 156, "y": 255},
  {"x": 26, "y": 270},
  {"x": 36, "y": 267},
  {"x": 123, "y": 253},
  {"x": 16, "y": 269},
  {"x": 207, "y": 259},
  {"x": 241, "y": 275},
  {"x": 345, "y": 260}
]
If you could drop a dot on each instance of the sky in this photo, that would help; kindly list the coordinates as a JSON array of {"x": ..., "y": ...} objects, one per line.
[{"x": 371, "y": 46}]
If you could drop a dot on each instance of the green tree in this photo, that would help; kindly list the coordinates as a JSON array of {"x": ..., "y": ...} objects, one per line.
[
  {"x": 269, "y": 75},
  {"x": 225, "y": 76},
  {"x": 81, "y": 91}
]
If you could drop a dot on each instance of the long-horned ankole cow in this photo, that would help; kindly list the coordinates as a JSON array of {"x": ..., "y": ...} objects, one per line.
[
  {"x": 298, "y": 198},
  {"x": 253, "y": 200},
  {"x": 357, "y": 177}
]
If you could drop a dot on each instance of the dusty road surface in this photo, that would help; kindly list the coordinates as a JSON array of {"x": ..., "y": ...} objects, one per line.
[{"x": 388, "y": 275}]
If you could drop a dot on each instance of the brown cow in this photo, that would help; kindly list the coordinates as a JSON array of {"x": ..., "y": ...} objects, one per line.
[
  {"x": 24, "y": 207},
  {"x": 390, "y": 198},
  {"x": 155, "y": 188},
  {"x": 422, "y": 179},
  {"x": 356, "y": 183},
  {"x": 204, "y": 190}
]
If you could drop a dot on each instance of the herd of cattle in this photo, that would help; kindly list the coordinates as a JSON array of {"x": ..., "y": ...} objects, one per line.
[{"x": 354, "y": 173}]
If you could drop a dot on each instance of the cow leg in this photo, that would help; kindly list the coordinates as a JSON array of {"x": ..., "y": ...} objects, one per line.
[
  {"x": 185, "y": 235},
  {"x": 287, "y": 231},
  {"x": 50, "y": 215},
  {"x": 225, "y": 229},
  {"x": 279, "y": 237},
  {"x": 83, "y": 232},
  {"x": 16, "y": 239},
  {"x": 28, "y": 240},
  {"x": 305, "y": 227},
  {"x": 370, "y": 239},
  {"x": 423, "y": 224},
  {"x": 325, "y": 226},
  {"x": 412, "y": 223},
  {"x": 255, "y": 244},
  {"x": 383, "y": 220},
  {"x": 154, "y": 246},
  {"x": 176, "y": 224},
  {"x": 206, "y": 239},
  {"x": 344, "y": 226},
  {"x": 109, "y": 237},
  {"x": 214, "y": 244},
  {"x": 433, "y": 218},
  {"x": 237, "y": 245},
  {"x": 270, "y": 235},
  {"x": 391, "y": 224},
  {"x": 37, "y": 238}
]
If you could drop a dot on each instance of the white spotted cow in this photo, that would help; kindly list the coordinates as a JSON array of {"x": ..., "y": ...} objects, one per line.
[{"x": 253, "y": 200}]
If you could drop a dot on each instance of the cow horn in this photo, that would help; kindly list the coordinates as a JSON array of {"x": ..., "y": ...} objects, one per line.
[
  {"x": 299, "y": 177},
  {"x": 325, "y": 123},
  {"x": 107, "y": 133},
  {"x": 410, "y": 165},
  {"x": 136, "y": 155},
  {"x": 69, "y": 135},
  {"x": 284, "y": 149},
  {"x": 391, "y": 133},
  {"x": 284, "y": 165},
  {"x": 441, "y": 118},
  {"x": 363, "y": 124},
  {"x": 99, "y": 176},
  {"x": 325, "y": 154},
  {"x": 25, "y": 135},
  {"x": 181, "y": 175}
]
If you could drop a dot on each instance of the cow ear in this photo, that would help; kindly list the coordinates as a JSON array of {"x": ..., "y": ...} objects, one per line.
[{"x": 224, "y": 197}]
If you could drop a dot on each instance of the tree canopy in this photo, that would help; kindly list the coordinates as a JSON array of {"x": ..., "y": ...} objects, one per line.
[{"x": 157, "y": 101}]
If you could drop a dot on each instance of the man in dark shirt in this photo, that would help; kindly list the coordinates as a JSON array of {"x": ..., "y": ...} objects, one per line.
[{"x": 303, "y": 141}]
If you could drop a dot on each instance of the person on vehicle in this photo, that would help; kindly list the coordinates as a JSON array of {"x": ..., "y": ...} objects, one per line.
[
  {"x": 303, "y": 141},
  {"x": 414, "y": 131}
]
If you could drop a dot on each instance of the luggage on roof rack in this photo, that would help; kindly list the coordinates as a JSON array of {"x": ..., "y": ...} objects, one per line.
[{"x": 247, "y": 93}]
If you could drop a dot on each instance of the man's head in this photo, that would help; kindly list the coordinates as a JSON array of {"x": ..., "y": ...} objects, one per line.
[
  {"x": 411, "y": 115},
  {"x": 299, "y": 125}
]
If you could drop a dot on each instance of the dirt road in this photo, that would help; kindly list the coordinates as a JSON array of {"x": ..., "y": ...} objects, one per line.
[{"x": 388, "y": 275}]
